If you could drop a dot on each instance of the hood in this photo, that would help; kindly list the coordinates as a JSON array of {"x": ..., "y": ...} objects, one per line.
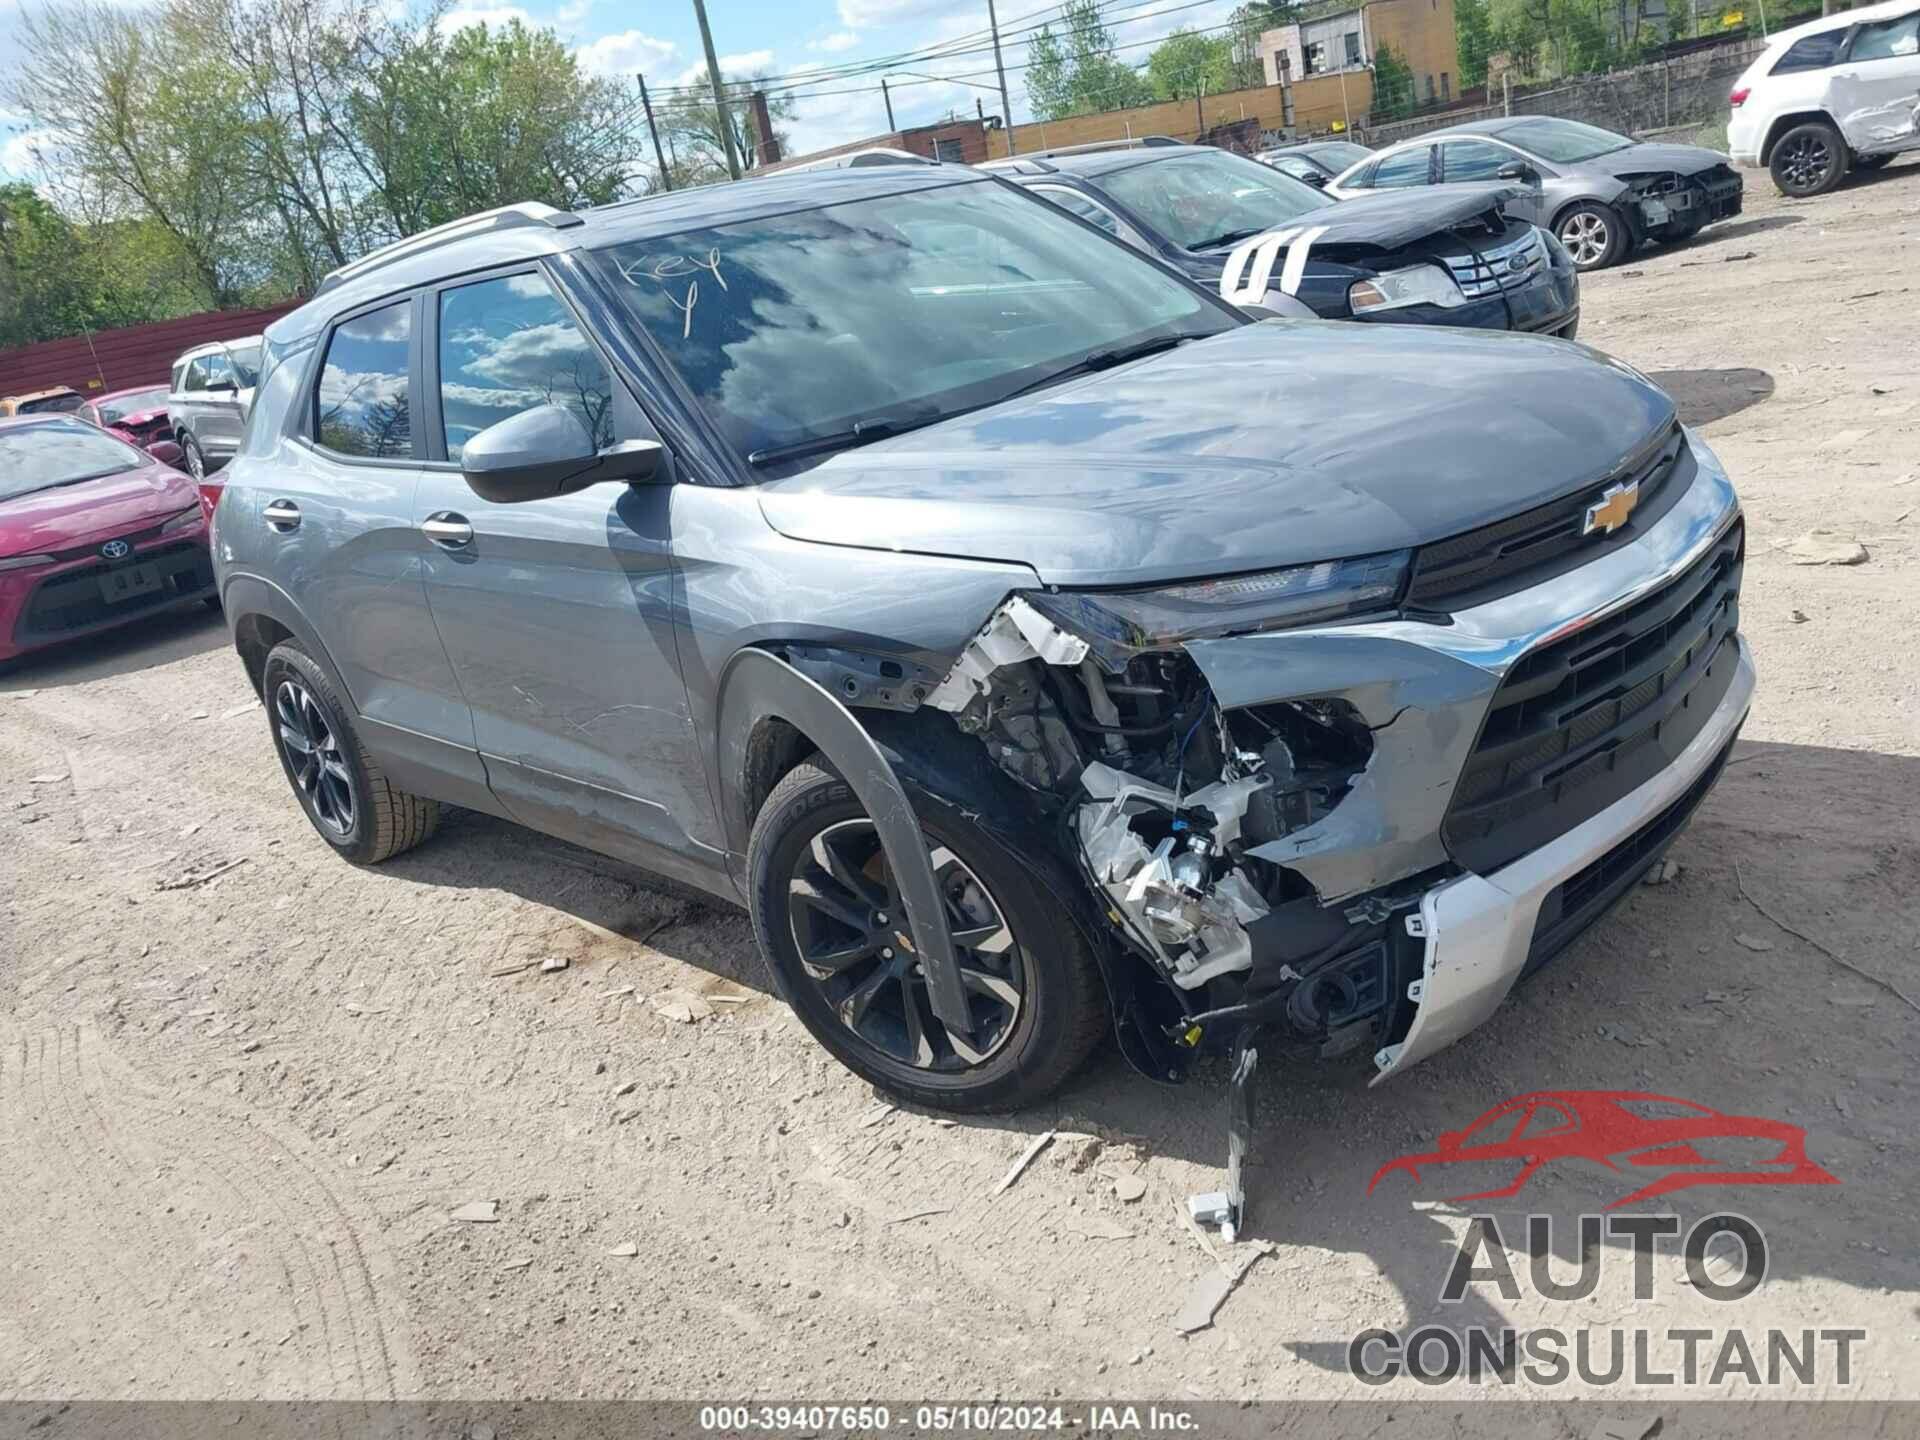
[
  {"x": 72, "y": 515},
  {"x": 1655, "y": 159},
  {"x": 1389, "y": 219},
  {"x": 1271, "y": 444}
]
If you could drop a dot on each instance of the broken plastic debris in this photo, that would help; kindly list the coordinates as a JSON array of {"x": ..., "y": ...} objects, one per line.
[
  {"x": 1208, "y": 1293},
  {"x": 477, "y": 1212},
  {"x": 1040, "y": 1142},
  {"x": 625, "y": 1250},
  {"x": 553, "y": 963},
  {"x": 683, "y": 1007}
]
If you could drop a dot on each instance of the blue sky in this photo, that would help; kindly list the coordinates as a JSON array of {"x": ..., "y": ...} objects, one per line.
[{"x": 790, "y": 39}]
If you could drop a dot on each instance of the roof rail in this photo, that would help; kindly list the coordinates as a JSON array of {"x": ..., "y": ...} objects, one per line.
[
  {"x": 507, "y": 217},
  {"x": 857, "y": 160}
]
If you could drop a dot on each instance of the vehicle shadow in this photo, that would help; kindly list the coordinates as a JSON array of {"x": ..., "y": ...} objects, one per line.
[
  {"x": 1704, "y": 396},
  {"x": 1732, "y": 230},
  {"x": 1689, "y": 989},
  {"x": 139, "y": 645}
]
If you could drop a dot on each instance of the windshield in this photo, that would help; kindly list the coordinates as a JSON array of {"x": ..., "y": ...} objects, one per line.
[
  {"x": 59, "y": 452},
  {"x": 52, "y": 404},
  {"x": 246, "y": 364},
  {"x": 1564, "y": 140},
  {"x": 1201, "y": 199},
  {"x": 116, "y": 409},
  {"x": 910, "y": 307},
  {"x": 1338, "y": 155}
]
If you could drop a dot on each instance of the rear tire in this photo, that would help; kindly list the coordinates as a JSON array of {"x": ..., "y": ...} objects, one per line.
[
  {"x": 1594, "y": 234},
  {"x": 1039, "y": 1006},
  {"x": 346, "y": 795},
  {"x": 194, "y": 456},
  {"x": 1808, "y": 160}
]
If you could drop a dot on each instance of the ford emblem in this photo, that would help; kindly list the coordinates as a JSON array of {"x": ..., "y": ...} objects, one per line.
[{"x": 116, "y": 549}]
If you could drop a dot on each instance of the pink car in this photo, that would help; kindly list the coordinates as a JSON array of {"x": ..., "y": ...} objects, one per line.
[
  {"x": 93, "y": 533},
  {"x": 139, "y": 415}
]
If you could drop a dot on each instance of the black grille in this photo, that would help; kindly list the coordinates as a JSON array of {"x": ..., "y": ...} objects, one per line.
[
  {"x": 1531, "y": 546},
  {"x": 1582, "y": 721},
  {"x": 71, "y": 601},
  {"x": 1574, "y": 904}
]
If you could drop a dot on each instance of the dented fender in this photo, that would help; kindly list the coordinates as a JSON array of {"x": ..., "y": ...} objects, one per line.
[
  {"x": 756, "y": 686},
  {"x": 1424, "y": 708}
]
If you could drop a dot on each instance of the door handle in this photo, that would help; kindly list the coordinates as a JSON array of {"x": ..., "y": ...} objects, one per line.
[
  {"x": 282, "y": 515},
  {"x": 447, "y": 530}
]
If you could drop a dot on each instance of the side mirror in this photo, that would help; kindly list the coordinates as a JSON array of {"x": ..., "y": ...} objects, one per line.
[
  {"x": 1519, "y": 171},
  {"x": 166, "y": 452},
  {"x": 546, "y": 451},
  {"x": 1315, "y": 179}
]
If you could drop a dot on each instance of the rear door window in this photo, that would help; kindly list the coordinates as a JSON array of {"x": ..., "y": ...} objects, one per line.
[
  {"x": 1080, "y": 205},
  {"x": 507, "y": 345},
  {"x": 1398, "y": 172},
  {"x": 218, "y": 371},
  {"x": 196, "y": 374},
  {"x": 1887, "y": 39},
  {"x": 362, "y": 405}
]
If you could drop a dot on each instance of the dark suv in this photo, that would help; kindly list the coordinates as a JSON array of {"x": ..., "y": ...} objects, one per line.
[
  {"x": 1440, "y": 256},
  {"x": 1036, "y": 645}
]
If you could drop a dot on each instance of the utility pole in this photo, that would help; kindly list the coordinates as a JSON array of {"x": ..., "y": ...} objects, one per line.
[
  {"x": 666, "y": 175},
  {"x": 1006, "y": 105},
  {"x": 724, "y": 115},
  {"x": 887, "y": 96}
]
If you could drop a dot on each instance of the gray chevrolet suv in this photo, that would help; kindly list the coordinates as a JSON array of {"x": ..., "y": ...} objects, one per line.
[{"x": 1038, "y": 646}]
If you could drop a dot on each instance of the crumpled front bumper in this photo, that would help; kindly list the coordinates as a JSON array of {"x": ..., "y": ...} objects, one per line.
[{"x": 1479, "y": 929}]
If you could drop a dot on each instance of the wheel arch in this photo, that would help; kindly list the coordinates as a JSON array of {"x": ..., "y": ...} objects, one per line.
[
  {"x": 1780, "y": 124},
  {"x": 260, "y": 616}
]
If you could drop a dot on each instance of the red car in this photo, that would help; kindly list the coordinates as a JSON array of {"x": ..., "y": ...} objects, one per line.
[
  {"x": 93, "y": 533},
  {"x": 139, "y": 415},
  {"x": 1692, "y": 1144}
]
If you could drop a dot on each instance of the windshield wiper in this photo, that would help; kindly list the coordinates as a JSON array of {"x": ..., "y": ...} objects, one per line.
[
  {"x": 1232, "y": 235},
  {"x": 1105, "y": 360},
  {"x": 873, "y": 427}
]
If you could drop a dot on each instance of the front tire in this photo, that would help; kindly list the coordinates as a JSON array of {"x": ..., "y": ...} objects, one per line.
[
  {"x": 828, "y": 917},
  {"x": 1808, "y": 160},
  {"x": 1594, "y": 234},
  {"x": 346, "y": 795}
]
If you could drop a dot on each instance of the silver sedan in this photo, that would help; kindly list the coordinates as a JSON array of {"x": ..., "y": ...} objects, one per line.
[{"x": 1603, "y": 194}]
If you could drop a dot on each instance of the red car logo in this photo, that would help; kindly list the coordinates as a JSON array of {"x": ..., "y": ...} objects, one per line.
[{"x": 1622, "y": 1128}]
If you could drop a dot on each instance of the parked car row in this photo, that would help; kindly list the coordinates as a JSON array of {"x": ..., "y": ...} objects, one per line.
[{"x": 1039, "y": 645}]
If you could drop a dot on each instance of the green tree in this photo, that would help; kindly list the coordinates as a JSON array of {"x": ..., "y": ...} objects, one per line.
[
  {"x": 1077, "y": 71},
  {"x": 1186, "y": 64},
  {"x": 1473, "y": 40},
  {"x": 690, "y": 124},
  {"x": 1393, "y": 97}
]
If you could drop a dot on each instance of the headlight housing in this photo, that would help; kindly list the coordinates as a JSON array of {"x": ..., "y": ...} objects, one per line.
[
  {"x": 1397, "y": 289},
  {"x": 1123, "y": 623},
  {"x": 174, "y": 524}
]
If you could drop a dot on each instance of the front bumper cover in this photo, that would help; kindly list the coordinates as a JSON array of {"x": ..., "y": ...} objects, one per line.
[{"x": 1479, "y": 928}]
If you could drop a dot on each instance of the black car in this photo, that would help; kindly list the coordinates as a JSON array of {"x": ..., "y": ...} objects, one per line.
[
  {"x": 1443, "y": 256},
  {"x": 1315, "y": 161}
]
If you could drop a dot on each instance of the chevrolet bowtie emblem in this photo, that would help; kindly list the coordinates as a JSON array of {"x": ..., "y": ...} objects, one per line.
[{"x": 1613, "y": 509}]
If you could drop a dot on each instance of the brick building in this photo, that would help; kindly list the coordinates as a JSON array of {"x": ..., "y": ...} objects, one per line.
[{"x": 1338, "y": 41}]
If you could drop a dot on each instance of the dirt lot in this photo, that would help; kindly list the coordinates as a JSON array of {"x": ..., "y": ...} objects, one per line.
[{"x": 237, "y": 1118}]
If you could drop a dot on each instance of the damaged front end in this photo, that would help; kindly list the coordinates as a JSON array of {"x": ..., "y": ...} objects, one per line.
[
  {"x": 1238, "y": 843},
  {"x": 1667, "y": 202}
]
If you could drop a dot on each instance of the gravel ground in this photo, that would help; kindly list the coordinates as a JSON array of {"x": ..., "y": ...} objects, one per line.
[{"x": 241, "y": 1119}]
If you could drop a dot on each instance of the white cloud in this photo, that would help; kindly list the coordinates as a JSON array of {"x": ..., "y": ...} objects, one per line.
[
  {"x": 838, "y": 41},
  {"x": 628, "y": 52},
  {"x": 17, "y": 157},
  {"x": 572, "y": 13},
  {"x": 493, "y": 17},
  {"x": 855, "y": 14},
  {"x": 731, "y": 66}
]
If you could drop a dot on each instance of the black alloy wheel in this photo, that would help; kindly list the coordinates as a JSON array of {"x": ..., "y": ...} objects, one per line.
[
  {"x": 849, "y": 927},
  {"x": 1808, "y": 160},
  {"x": 314, "y": 757}
]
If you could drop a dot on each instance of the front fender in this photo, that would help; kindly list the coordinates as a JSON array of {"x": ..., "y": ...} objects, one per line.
[{"x": 756, "y": 686}]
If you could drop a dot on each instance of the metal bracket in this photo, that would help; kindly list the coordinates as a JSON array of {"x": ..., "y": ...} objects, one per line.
[{"x": 1227, "y": 1209}]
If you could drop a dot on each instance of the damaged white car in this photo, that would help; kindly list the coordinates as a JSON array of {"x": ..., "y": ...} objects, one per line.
[
  {"x": 1837, "y": 94},
  {"x": 945, "y": 580}
]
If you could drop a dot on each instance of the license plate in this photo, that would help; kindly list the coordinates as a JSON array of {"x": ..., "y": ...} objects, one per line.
[{"x": 129, "y": 581}]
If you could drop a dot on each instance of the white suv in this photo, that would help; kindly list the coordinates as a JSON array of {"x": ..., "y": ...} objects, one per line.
[{"x": 1838, "y": 93}]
